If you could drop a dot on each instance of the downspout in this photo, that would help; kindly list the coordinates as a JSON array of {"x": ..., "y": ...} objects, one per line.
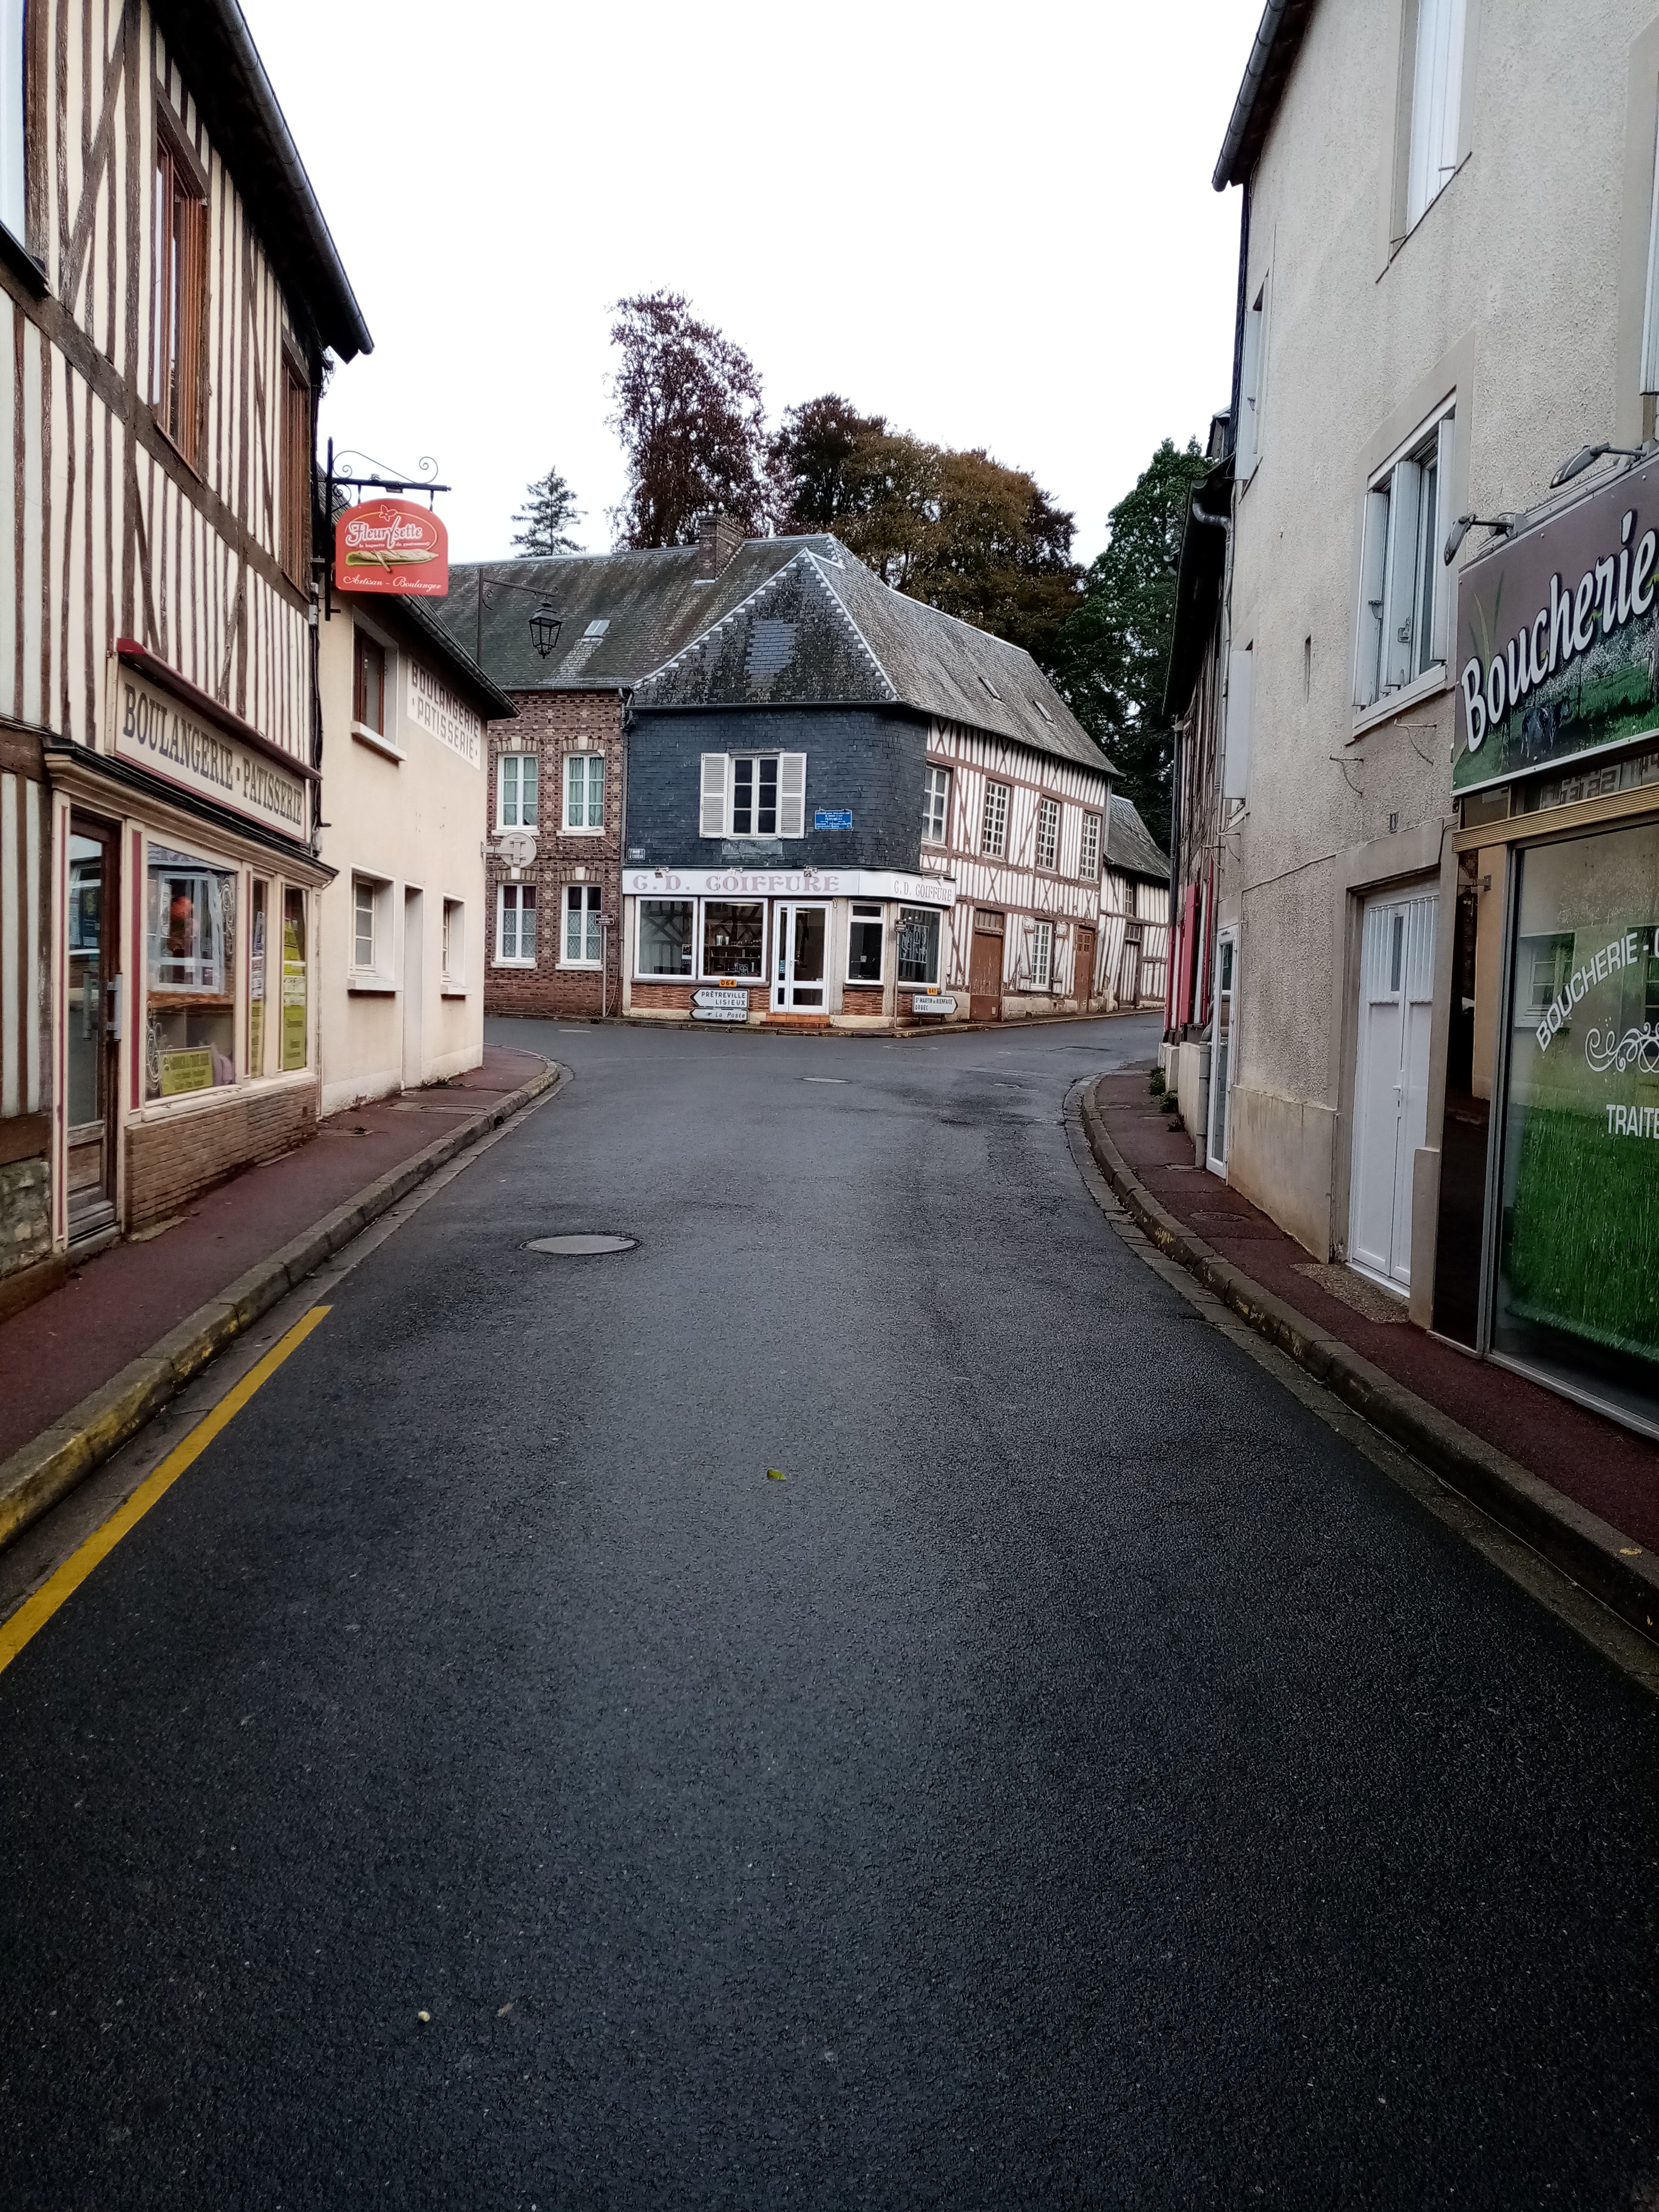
[{"x": 625, "y": 715}]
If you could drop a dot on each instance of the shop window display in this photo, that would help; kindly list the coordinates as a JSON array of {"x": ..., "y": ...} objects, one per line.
[
  {"x": 1578, "y": 1284},
  {"x": 664, "y": 937},
  {"x": 189, "y": 943},
  {"x": 733, "y": 939},
  {"x": 918, "y": 945},
  {"x": 295, "y": 974}
]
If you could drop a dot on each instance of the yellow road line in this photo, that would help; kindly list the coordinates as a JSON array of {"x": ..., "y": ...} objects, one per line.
[{"x": 33, "y": 1616}]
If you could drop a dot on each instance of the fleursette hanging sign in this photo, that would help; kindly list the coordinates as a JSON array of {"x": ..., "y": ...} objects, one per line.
[
  {"x": 392, "y": 546},
  {"x": 1558, "y": 637}
]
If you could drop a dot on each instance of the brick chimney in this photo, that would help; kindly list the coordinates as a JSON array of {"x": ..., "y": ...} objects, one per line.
[{"x": 718, "y": 536}]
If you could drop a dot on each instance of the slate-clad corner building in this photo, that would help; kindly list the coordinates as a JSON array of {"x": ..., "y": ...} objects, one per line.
[
  {"x": 749, "y": 765},
  {"x": 842, "y": 804}
]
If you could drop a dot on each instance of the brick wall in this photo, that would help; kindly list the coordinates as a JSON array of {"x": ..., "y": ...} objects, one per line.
[
  {"x": 552, "y": 724},
  {"x": 171, "y": 1159},
  {"x": 869, "y": 759},
  {"x": 25, "y": 1214}
]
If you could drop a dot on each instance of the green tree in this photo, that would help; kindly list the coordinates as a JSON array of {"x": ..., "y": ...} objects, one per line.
[
  {"x": 811, "y": 463},
  {"x": 1113, "y": 651},
  {"x": 688, "y": 414},
  {"x": 550, "y": 506}
]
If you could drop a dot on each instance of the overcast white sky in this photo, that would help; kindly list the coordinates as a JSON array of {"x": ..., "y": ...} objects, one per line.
[{"x": 995, "y": 228}]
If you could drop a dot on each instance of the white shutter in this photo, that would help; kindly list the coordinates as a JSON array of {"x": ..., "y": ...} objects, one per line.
[
  {"x": 1241, "y": 713},
  {"x": 716, "y": 778},
  {"x": 1437, "y": 100},
  {"x": 1373, "y": 554},
  {"x": 1435, "y": 537},
  {"x": 1399, "y": 576},
  {"x": 791, "y": 794},
  {"x": 1650, "y": 318},
  {"x": 1249, "y": 386}
]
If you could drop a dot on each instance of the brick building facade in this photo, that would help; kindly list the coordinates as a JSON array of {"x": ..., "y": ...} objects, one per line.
[{"x": 567, "y": 963}]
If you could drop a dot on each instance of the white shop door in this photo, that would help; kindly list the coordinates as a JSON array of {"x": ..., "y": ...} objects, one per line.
[{"x": 1391, "y": 1080}]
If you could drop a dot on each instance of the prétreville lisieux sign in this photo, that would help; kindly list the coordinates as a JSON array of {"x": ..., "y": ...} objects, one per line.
[
  {"x": 1557, "y": 652},
  {"x": 162, "y": 734}
]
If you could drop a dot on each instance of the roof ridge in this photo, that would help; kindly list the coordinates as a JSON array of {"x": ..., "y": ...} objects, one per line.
[{"x": 816, "y": 565}]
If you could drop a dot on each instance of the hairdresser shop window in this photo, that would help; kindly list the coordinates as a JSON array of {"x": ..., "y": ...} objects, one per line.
[
  {"x": 189, "y": 948},
  {"x": 1577, "y": 1291}
]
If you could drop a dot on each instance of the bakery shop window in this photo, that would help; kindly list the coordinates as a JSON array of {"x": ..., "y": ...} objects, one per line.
[{"x": 190, "y": 974}]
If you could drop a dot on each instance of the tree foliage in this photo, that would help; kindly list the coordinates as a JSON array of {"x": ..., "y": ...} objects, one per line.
[
  {"x": 1113, "y": 652},
  {"x": 543, "y": 521},
  {"x": 690, "y": 416}
]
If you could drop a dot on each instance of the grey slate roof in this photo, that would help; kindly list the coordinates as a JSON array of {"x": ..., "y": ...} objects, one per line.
[
  {"x": 788, "y": 622},
  {"x": 1129, "y": 846}
]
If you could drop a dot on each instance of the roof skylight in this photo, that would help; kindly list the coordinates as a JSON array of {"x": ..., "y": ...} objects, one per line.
[
  {"x": 990, "y": 687},
  {"x": 1042, "y": 710},
  {"x": 598, "y": 629}
]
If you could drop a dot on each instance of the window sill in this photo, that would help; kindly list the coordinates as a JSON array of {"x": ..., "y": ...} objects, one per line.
[
  {"x": 362, "y": 986},
  {"x": 22, "y": 263},
  {"x": 168, "y": 438},
  {"x": 512, "y": 963},
  {"x": 377, "y": 742},
  {"x": 219, "y": 1094},
  {"x": 567, "y": 831},
  {"x": 518, "y": 829},
  {"x": 453, "y": 991},
  {"x": 1428, "y": 685},
  {"x": 582, "y": 967}
]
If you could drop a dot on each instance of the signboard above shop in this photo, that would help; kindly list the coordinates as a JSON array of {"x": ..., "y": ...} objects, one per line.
[
  {"x": 392, "y": 546},
  {"x": 1557, "y": 651},
  {"x": 195, "y": 748}
]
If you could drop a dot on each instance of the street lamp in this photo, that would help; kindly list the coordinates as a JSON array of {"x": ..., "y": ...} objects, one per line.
[
  {"x": 544, "y": 628},
  {"x": 544, "y": 624},
  {"x": 1588, "y": 454}
]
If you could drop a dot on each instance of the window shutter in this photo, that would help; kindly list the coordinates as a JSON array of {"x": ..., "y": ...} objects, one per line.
[
  {"x": 575, "y": 790},
  {"x": 1651, "y": 319},
  {"x": 596, "y": 791},
  {"x": 1399, "y": 574},
  {"x": 792, "y": 795},
  {"x": 1435, "y": 537},
  {"x": 1249, "y": 386},
  {"x": 716, "y": 781},
  {"x": 1372, "y": 558},
  {"x": 1241, "y": 713}
]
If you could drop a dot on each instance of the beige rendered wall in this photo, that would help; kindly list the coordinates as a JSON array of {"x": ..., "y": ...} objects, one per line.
[
  {"x": 409, "y": 814},
  {"x": 1520, "y": 291}
]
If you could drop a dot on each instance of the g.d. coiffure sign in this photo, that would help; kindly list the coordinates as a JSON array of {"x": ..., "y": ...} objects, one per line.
[
  {"x": 392, "y": 546},
  {"x": 1558, "y": 637}
]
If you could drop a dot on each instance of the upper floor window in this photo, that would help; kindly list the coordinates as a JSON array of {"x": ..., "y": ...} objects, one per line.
[
  {"x": 936, "y": 799},
  {"x": 1252, "y": 367},
  {"x": 584, "y": 791},
  {"x": 295, "y": 545},
  {"x": 368, "y": 683},
  {"x": 994, "y": 828},
  {"x": 515, "y": 788},
  {"x": 13, "y": 196},
  {"x": 753, "y": 795},
  {"x": 1088, "y": 859},
  {"x": 1048, "y": 832},
  {"x": 178, "y": 304},
  {"x": 1437, "y": 101},
  {"x": 1402, "y": 600}
]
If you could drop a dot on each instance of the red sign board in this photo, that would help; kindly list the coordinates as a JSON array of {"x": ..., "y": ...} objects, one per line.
[{"x": 392, "y": 546}]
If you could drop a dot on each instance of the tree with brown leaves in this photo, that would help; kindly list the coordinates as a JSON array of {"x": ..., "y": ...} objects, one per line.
[{"x": 690, "y": 416}]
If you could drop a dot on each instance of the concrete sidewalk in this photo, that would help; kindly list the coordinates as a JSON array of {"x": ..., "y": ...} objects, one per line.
[
  {"x": 1580, "y": 1489},
  {"x": 86, "y": 1365}
]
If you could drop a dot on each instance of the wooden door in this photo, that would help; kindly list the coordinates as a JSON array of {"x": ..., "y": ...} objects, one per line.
[
  {"x": 1083, "y": 965},
  {"x": 985, "y": 970}
]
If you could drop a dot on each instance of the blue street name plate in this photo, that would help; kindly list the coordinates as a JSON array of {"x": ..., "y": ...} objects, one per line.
[{"x": 833, "y": 817}]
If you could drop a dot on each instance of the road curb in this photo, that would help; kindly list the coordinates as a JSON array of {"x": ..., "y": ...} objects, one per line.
[
  {"x": 49, "y": 1467},
  {"x": 1586, "y": 1548}
]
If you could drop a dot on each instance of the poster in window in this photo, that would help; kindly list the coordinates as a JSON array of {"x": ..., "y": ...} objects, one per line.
[{"x": 294, "y": 979}]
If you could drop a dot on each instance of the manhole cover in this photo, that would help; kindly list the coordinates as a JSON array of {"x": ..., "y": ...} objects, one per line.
[{"x": 584, "y": 1247}]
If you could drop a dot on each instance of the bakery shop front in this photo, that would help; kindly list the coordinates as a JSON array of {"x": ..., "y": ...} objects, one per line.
[
  {"x": 788, "y": 948},
  {"x": 185, "y": 888}
]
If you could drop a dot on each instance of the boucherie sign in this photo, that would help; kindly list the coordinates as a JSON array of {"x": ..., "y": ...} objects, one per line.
[
  {"x": 392, "y": 546},
  {"x": 1558, "y": 637}
]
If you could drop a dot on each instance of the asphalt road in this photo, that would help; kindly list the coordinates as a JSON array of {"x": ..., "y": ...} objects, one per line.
[{"x": 1082, "y": 1779}]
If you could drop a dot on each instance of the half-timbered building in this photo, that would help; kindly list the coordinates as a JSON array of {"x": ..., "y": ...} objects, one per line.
[
  {"x": 1134, "y": 911},
  {"x": 846, "y": 809},
  {"x": 168, "y": 289}
]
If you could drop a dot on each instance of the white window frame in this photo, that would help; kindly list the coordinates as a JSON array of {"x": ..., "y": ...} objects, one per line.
[
  {"x": 1239, "y": 724},
  {"x": 1252, "y": 383},
  {"x": 453, "y": 948},
  {"x": 1436, "y": 97},
  {"x": 514, "y": 819},
  {"x": 994, "y": 820},
  {"x": 592, "y": 904},
  {"x": 1047, "y": 833},
  {"x": 923, "y": 983},
  {"x": 1087, "y": 859},
  {"x": 516, "y": 958},
  {"x": 379, "y": 974},
  {"x": 705, "y": 973},
  {"x": 682, "y": 974},
  {"x": 936, "y": 805},
  {"x": 861, "y": 914},
  {"x": 717, "y": 790},
  {"x": 1043, "y": 955},
  {"x": 1405, "y": 585},
  {"x": 586, "y": 827},
  {"x": 14, "y": 193}
]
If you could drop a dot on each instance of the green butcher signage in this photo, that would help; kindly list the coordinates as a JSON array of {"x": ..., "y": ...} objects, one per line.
[{"x": 1558, "y": 637}]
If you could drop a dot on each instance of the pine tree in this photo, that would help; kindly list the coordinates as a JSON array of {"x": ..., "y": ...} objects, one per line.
[{"x": 549, "y": 506}]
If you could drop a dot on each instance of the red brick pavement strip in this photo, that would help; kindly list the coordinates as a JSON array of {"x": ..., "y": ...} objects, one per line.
[
  {"x": 1580, "y": 1489},
  {"x": 82, "y": 1368}
]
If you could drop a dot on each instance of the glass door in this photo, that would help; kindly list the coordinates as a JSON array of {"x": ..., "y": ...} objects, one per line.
[
  {"x": 93, "y": 1013},
  {"x": 798, "y": 981},
  {"x": 1221, "y": 1050}
]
